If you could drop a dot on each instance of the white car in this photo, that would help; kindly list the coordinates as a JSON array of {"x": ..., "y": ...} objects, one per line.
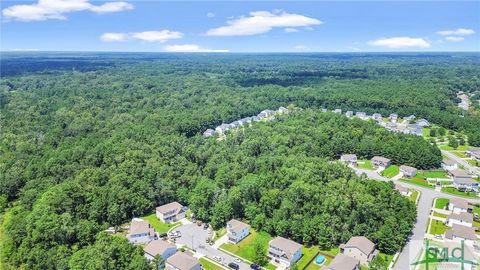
[
  {"x": 217, "y": 258},
  {"x": 237, "y": 260}
]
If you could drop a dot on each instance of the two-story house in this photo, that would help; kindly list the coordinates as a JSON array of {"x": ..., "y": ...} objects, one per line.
[
  {"x": 380, "y": 162},
  {"x": 343, "y": 262},
  {"x": 360, "y": 248},
  {"x": 463, "y": 218},
  {"x": 449, "y": 165},
  {"x": 182, "y": 261},
  {"x": 350, "y": 159},
  {"x": 457, "y": 205},
  {"x": 161, "y": 248},
  {"x": 170, "y": 212},
  {"x": 460, "y": 233},
  {"x": 141, "y": 232},
  {"x": 284, "y": 251},
  {"x": 237, "y": 231},
  {"x": 408, "y": 171}
]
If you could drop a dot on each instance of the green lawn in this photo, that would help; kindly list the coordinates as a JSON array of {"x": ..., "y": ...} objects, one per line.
[
  {"x": 473, "y": 162},
  {"x": 308, "y": 255},
  {"x": 391, "y": 171},
  {"x": 328, "y": 254},
  {"x": 432, "y": 174},
  {"x": 454, "y": 191},
  {"x": 438, "y": 227},
  {"x": 459, "y": 154},
  {"x": 417, "y": 181},
  {"x": 441, "y": 203},
  {"x": 436, "y": 214},
  {"x": 476, "y": 209},
  {"x": 367, "y": 164},
  {"x": 448, "y": 148},
  {"x": 208, "y": 265},
  {"x": 221, "y": 232},
  {"x": 246, "y": 247},
  {"x": 414, "y": 196},
  {"x": 158, "y": 225}
]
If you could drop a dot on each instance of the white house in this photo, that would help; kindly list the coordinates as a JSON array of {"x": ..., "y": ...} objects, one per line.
[
  {"x": 222, "y": 128},
  {"x": 343, "y": 262},
  {"x": 140, "y": 232},
  {"x": 209, "y": 132},
  {"x": 361, "y": 115},
  {"x": 170, "y": 212},
  {"x": 350, "y": 159},
  {"x": 423, "y": 123},
  {"x": 237, "y": 231},
  {"x": 459, "y": 232},
  {"x": 284, "y": 251},
  {"x": 403, "y": 190},
  {"x": 474, "y": 153},
  {"x": 380, "y": 162},
  {"x": 349, "y": 114},
  {"x": 337, "y": 111},
  {"x": 159, "y": 247},
  {"x": 465, "y": 184},
  {"x": 182, "y": 261},
  {"x": 360, "y": 248},
  {"x": 449, "y": 165},
  {"x": 393, "y": 117},
  {"x": 376, "y": 116},
  {"x": 457, "y": 206},
  {"x": 408, "y": 171},
  {"x": 465, "y": 219}
]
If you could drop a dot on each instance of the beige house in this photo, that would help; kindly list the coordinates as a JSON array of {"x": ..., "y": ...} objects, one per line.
[
  {"x": 460, "y": 232},
  {"x": 170, "y": 212},
  {"x": 159, "y": 247},
  {"x": 403, "y": 190},
  {"x": 380, "y": 162},
  {"x": 465, "y": 219},
  {"x": 343, "y": 262},
  {"x": 182, "y": 261},
  {"x": 457, "y": 205},
  {"x": 284, "y": 251},
  {"x": 408, "y": 171},
  {"x": 449, "y": 165},
  {"x": 350, "y": 159},
  {"x": 140, "y": 232},
  {"x": 360, "y": 248}
]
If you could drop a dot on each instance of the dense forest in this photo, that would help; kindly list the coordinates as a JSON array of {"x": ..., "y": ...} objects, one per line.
[{"x": 90, "y": 141}]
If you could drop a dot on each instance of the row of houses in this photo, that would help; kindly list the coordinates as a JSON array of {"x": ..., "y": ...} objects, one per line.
[
  {"x": 474, "y": 153},
  {"x": 223, "y": 128},
  {"x": 462, "y": 180},
  {"x": 174, "y": 259},
  {"x": 461, "y": 222},
  {"x": 421, "y": 123},
  {"x": 379, "y": 162}
]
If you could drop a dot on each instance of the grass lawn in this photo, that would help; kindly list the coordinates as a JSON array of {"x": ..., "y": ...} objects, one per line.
[
  {"x": 221, "y": 232},
  {"x": 460, "y": 147},
  {"x": 158, "y": 225},
  {"x": 431, "y": 174},
  {"x": 441, "y": 203},
  {"x": 208, "y": 265},
  {"x": 245, "y": 248},
  {"x": 438, "y": 227},
  {"x": 308, "y": 255},
  {"x": 454, "y": 191},
  {"x": 473, "y": 162},
  {"x": 365, "y": 164},
  {"x": 417, "y": 181},
  {"x": 459, "y": 154},
  {"x": 414, "y": 196},
  {"x": 436, "y": 214},
  {"x": 476, "y": 209},
  {"x": 328, "y": 254},
  {"x": 391, "y": 171}
]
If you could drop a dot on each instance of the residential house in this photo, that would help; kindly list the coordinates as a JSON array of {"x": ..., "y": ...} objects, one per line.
[
  {"x": 465, "y": 219},
  {"x": 182, "y": 261},
  {"x": 380, "y": 162},
  {"x": 465, "y": 184},
  {"x": 415, "y": 129},
  {"x": 237, "y": 231},
  {"x": 408, "y": 171},
  {"x": 403, "y": 190},
  {"x": 409, "y": 118},
  {"x": 376, "y": 116},
  {"x": 343, "y": 262},
  {"x": 159, "y": 247},
  {"x": 459, "y": 173},
  {"x": 393, "y": 117},
  {"x": 423, "y": 123},
  {"x": 170, "y": 212},
  {"x": 449, "y": 165},
  {"x": 284, "y": 251},
  {"x": 265, "y": 113},
  {"x": 337, "y": 111},
  {"x": 361, "y": 115},
  {"x": 283, "y": 110},
  {"x": 459, "y": 232},
  {"x": 360, "y": 248},
  {"x": 474, "y": 153},
  {"x": 349, "y": 114},
  {"x": 141, "y": 232},
  {"x": 350, "y": 159},
  {"x": 222, "y": 128},
  {"x": 457, "y": 205},
  {"x": 209, "y": 132}
]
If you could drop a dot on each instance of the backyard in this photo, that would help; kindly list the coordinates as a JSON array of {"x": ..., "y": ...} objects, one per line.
[
  {"x": 454, "y": 191},
  {"x": 391, "y": 171},
  {"x": 437, "y": 227},
  {"x": 365, "y": 164},
  {"x": 159, "y": 226}
]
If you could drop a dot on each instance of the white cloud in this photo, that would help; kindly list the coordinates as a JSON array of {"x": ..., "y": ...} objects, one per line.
[
  {"x": 210, "y": 14},
  {"x": 56, "y": 9},
  {"x": 114, "y": 37},
  {"x": 400, "y": 43},
  {"x": 290, "y": 30},
  {"x": 259, "y": 22},
  {"x": 150, "y": 36},
  {"x": 454, "y": 39},
  {"x": 188, "y": 48},
  {"x": 457, "y": 32}
]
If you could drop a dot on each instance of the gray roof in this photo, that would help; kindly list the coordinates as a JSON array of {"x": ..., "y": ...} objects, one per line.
[
  {"x": 464, "y": 216},
  {"x": 138, "y": 226},
  {"x": 157, "y": 247},
  {"x": 286, "y": 245},
  {"x": 360, "y": 114},
  {"x": 236, "y": 225},
  {"x": 342, "y": 262},
  {"x": 401, "y": 188},
  {"x": 182, "y": 261},
  {"x": 362, "y": 243},
  {"x": 408, "y": 169},
  {"x": 173, "y": 206},
  {"x": 459, "y": 173},
  {"x": 381, "y": 159},
  {"x": 461, "y": 231},
  {"x": 393, "y": 115},
  {"x": 460, "y": 203},
  {"x": 463, "y": 180},
  {"x": 348, "y": 157}
]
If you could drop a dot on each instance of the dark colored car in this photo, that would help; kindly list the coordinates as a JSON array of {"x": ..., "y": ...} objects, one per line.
[
  {"x": 255, "y": 266},
  {"x": 234, "y": 266},
  {"x": 205, "y": 226},
  {"x": 162, "y": 235}
]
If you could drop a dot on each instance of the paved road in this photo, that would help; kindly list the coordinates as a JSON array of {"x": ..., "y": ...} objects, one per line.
[
  {"x": 424, "y": 207},
  {"x": 462, "y": 162},
  {"x": 196, "y": 235}
]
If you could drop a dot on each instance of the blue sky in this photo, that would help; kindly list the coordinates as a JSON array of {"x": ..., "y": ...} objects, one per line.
[{"x": 251, "y": 26}]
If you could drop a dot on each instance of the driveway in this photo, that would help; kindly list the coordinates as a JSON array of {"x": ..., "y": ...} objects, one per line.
[
  {"x": 194, "y": 237},
  {"x": 424, "y": 207}
]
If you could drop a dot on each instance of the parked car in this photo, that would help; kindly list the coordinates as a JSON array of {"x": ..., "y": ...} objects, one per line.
[
  {"x": 162, "y": 235},
  {"x": 199, "y": 222},
  {"x": 255, "y": 266},
  {"x": 237, "y": 260},
  {"x": 234, "y": 266},
  {"x": 205, "y": 226},
  {"x": 217, "y": 258}
]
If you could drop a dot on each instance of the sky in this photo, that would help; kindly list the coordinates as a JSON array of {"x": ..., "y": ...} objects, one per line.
[{"x": 234, "y": 26}]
